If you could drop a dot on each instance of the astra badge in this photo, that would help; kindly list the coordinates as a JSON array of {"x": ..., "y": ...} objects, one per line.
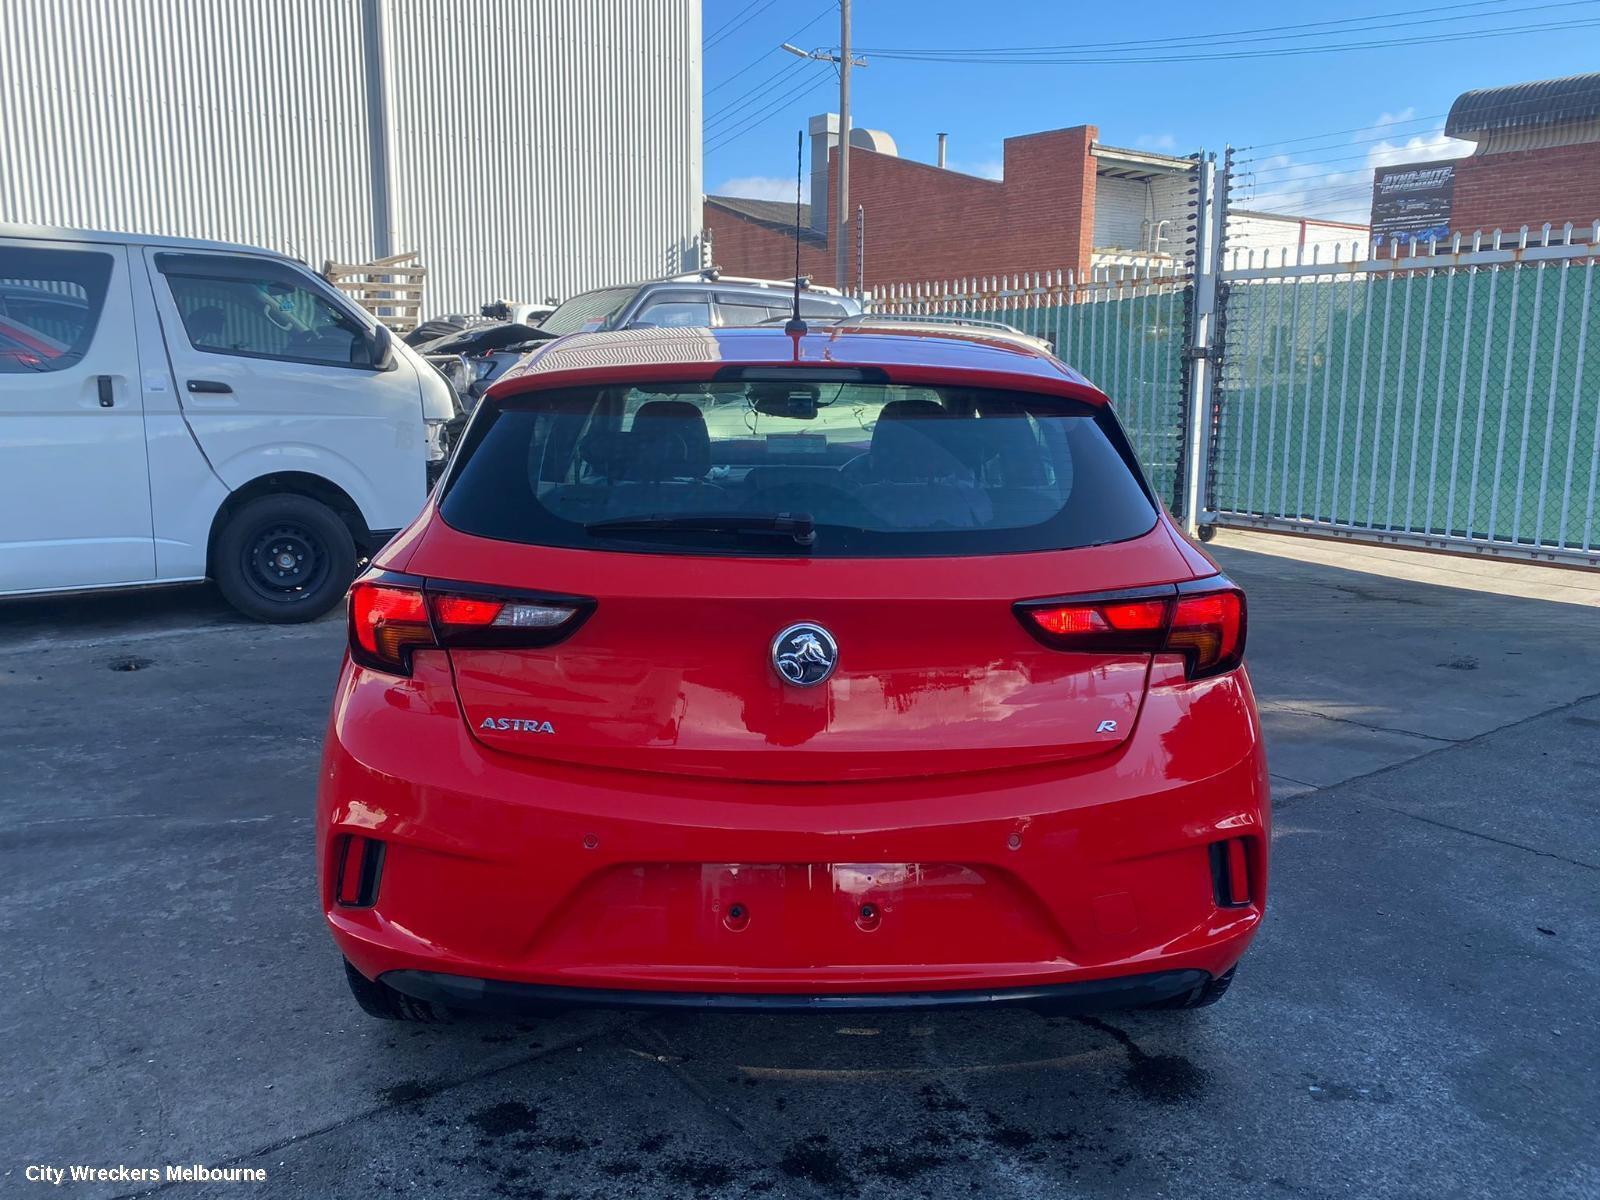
[
  {"x": 805, "y": 654},
  {"x": 517, "y": 725}
]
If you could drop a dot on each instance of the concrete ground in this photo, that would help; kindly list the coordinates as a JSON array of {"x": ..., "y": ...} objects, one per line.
[{"x": 1419, "y": 1017}]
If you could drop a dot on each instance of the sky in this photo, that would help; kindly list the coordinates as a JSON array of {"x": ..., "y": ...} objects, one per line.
[{"x": 1308, "y": 126}]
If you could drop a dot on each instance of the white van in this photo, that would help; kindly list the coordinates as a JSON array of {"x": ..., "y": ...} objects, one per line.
[{"x": 176, "y": 410}]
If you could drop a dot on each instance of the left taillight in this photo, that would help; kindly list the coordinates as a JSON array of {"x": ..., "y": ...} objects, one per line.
[
  {"x": 388, "y": 620},
  {"x": 392, "y": 616},
  {"x": 1203, "y": 619}
]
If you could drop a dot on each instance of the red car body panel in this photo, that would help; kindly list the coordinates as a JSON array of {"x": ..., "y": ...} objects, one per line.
[
  {"x": 948, "y": 811},
  {"x": 942, "y": 677}
]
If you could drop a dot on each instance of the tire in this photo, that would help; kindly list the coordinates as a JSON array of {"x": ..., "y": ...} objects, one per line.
[
  {"x": 284, "y": 558},
  {"x": 1207, "y": 994},
  {"x": 378, "y": 999},
  {"x": 1207, "y": 532}
]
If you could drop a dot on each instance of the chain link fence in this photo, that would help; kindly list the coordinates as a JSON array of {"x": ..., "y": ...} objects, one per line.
[
  {"x": 1123, "y": 327},
  {"x": 1452, "y": 402}
]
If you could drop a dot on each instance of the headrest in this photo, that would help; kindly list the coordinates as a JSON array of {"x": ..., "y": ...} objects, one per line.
[
  {"x": 208, "y": 321},
  {"x": 668, "y": 441},
  {"x": 910, "y": 442}
]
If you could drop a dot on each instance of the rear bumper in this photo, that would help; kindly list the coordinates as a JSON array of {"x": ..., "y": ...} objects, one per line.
[
  {"x": 510, "y": 880},
  {"x": 507, "y": 998}
]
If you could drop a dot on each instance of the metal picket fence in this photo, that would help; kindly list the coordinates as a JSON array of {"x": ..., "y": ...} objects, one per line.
[
  {"x": 1446, "y": 397},
  {"x": 1124, "y": 327}
]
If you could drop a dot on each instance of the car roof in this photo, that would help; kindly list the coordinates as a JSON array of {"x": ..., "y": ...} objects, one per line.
[
  {"x": 965, "y": 356},
  {"x": 700, "y": 279},
  {"x": 52, "y": 233},
  {"x": 723, "y": 283}
]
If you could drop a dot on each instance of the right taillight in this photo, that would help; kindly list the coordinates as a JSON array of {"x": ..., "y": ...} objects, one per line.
[
  {"x": 393, "y": 615},
  {"x": 1204, "y": 620},
  {"x": 1208, "y": 626}
]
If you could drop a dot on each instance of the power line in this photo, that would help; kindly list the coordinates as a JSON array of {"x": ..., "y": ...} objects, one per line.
[
  {"x": 1345, "y": 47},
  {"x": 761, "y": 59},
  {"x": 1504, "y": 108},
  {"x": 1311, "y": 137},
  {"x": 1361, "y": 157},
  {"x": 1340, "y": 145},
  {"x": 1226, "y": 37},
  {"x": 760, "y": 117},
  {"x": 734, "y": 108},
  {"x": 743, "y": 17},
  {"x": 732, "y": 138},
  {"x": 1304, "y": 205}
]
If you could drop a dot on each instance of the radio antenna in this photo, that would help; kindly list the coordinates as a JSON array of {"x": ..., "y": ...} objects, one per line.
[{"x": 796, "y": 327}]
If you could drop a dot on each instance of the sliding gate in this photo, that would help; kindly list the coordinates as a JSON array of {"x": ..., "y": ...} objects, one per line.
[{"x": 1448, "y": 400}]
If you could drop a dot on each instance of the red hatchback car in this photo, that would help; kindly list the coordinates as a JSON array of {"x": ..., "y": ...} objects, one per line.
[{"x": 738, "y": 669}]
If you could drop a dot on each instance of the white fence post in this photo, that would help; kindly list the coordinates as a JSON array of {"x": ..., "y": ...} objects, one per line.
[{"x": 1198, "y": 352}]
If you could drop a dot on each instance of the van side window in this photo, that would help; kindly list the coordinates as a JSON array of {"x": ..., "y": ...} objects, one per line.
[
  {"x": 50, "y": 302},
  {"x": 261, "y": 309}
]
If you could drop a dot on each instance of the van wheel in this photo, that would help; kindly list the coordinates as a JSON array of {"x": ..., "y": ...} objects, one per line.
[
  {"x": 378, "y": 999},
  {"x": 284, "y": 557}
]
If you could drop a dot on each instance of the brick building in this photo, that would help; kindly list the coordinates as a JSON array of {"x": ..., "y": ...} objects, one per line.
[
  {"x": 1065, "y": 201},
  {"x": 1537, "y": 161}
]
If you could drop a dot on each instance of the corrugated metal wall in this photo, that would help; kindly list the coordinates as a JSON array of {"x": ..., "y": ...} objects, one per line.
[
  {"x": 548, "y": 147},
  {"x": 242, "y": 120},
  {"x": 540, "y": 147}
]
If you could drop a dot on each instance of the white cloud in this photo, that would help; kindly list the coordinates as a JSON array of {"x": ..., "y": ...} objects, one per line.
[
  {"x": 757, "y": 187},
  {"x": 984, "y": 168},
  {"x": 1333, "y": 182},
  {"x": 1163, "y": 142},
  {"x": 1417, "y": 149},
  {"x": 1395, "y": 118}
]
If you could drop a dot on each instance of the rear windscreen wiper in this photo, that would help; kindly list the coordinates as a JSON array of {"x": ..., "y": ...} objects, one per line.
[{"x": 798, "y": 526}]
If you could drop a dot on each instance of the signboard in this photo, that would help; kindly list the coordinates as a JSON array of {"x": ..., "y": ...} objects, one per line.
[{"x": 1412, "y": 203}]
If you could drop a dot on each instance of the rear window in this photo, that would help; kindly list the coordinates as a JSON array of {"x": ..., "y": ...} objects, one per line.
[
  {"x": 784, "y": 467},
  {"x": 588, "y": 312}
]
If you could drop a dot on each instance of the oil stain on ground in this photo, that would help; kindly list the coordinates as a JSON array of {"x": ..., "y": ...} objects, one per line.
[
  {"x": 815, "y": 1160},
  {"x": 504, "y": 1119},
  {"x": 1163, "y": 1078}
]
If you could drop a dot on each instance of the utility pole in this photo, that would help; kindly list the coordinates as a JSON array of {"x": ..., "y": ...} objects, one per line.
[
  {"x": 844, "y": 60},
  {"x": 842, "y": 217}
]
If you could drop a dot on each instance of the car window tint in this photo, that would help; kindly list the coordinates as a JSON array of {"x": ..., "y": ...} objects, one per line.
[
  {"x": 262, "y": 312},
  {"x": 749, "y": 312},
  {"x": 883, "y": 470},
  {"x": 821, "y": 308},
  {"x": 741, "y": 310},
  {"x": 50, "y": 303},
  {"x": 674, "y": 312}
]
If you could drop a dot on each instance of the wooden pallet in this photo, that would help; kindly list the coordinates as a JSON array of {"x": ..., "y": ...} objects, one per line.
[{"x": 389, "y": 288}]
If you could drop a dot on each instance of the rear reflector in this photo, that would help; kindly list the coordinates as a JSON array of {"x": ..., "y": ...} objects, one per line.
[
  {"x": 393, "y": 615},
  {"x": 1230, "y": 873},
  {"x": 360, "y": 866},
  {"x": 1204, "y": 620}
]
